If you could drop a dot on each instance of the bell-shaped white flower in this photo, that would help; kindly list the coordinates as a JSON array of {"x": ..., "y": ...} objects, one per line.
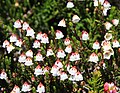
[
  {"x": 3, "y": 75},
  {"x": 62, "y": 23},
  {"x": 106, "y": 45},
  {"x": 29, "y": 53},
  {"x": 46, "y": 69},
  {"x": 10, "y": 48},
  {"x": 116, "y": 44},
  {"x": 40, "y": 88},
  {"x": 61, "y": 53},
  {"x": 17, "y": 24},
  {"x": 54, "y": 70},
  {"x": 25, "y": 26},
  {"x": 36, "y": 44},
  {"x": 5, "y": 43},
  {"x": 28, "y": 62},
  {"x": 19, "y": 42},
  {"x": 108, "y": 36},
  {"x": 70, "y": 4},
  {"x": 39, "y": 57},
  {"x": 108, "y": 25},
  {"x": 38, "y": 71},
  {"x": 78, "y": 76},
  {"x": 74, "y": 57},
  {"x": 49, "y": 52},
  {"x": 13, "y": 38},
  {"x": 59, "y": 34},
  {"x": 16, "y": 89},
  {"x": 67, "y": 41},
  {"x": 39, "y": 36},
  {"x": 30, "y": 32},
  {"x": 93, "y": 58},
  {"x": 68, "y": 49},
  {"x": 96, "y": 45},
  {"x": 73, "y": 70},
  {"x": 75, "y": 19},
  {"x": 106, "y": 5},
  {"x": 115, "y": 22},
  {"x": 63, "y": 76},
  {"x": 85, "y": 35},
  {"x": 26, "y": 87},
  {"x": 44, "y": 38},
  {"x": 22, "y": 58},
  {"x": 106, "y": 55},
  {"x": 58, "y": 63}
]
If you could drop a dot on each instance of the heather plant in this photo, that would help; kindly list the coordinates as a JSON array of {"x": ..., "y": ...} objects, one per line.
[{"x": 54, "y": 46}]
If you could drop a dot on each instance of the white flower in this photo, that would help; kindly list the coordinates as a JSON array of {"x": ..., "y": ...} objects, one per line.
[
  {"x": 61, "y": 53},
  {"x": 49, "y": 52},
  {"x": 39, "y": 36},
  {"x": 40, "y": 88},
  {"x": 16, "y": 89},
  {"x": 73, "y": 70},
  {"x": 96, "y": 2},
  {"x": 17, "y": 24},
  {"x": 44, "y": 38},
  {"x": 70, "y": 4},
  {"x": 54, "y": 70},
  {"x": 29, "y": 53},
  {"x": 26, "y": 87},
  {"x": 63, "y": 76},
  {"x": 116, "y": 44},
  {"x": 25, "y": 26},
  {"x": 96, "y": 45},
  {"x": 85, "y": 35},
  {"x": 106, "y": 5},
  {"x": 5, "y": 43},
  {"x": 19, "y": 43},
  {"x": 106, "y": 45},
  {"x": 108, "y": 25},
  {"x": 28, "y": 62},
  {"x": 106, "y": 55},
  {"x": 39, "y": 57},
  {"x": 62, "y": 23},
  {"x": 78, "y": 76},
  {"x": 75, "y": 19},
  {"x": 36, "y": 44},
  {"x": 67, "y": 41},
  {"x": 93, "y": 58},
  {"x": 46, "y": 69},
  {"x": 30, "y": 32},
  {"x": 58, "y": 63},
  {"x": 22, "y": 58},
  {"x": 68, "y": 49},
  {"x": 3, "y": 75},
  {"x": 38, "y": 71},
  {"x": 115, "y": 22},
  {"x": 105, "y": 11},
  {"x": 74, "y": 57},
  {"x": 13, "y": 38},
  {"x": 59, "y": 34},
  {"x": 10, "y": 48},
  {"x": 108, "y": 36}
]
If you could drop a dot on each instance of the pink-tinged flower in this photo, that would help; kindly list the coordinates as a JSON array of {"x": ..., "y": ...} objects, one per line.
[
  {"x": 40, "y": 88},
  {"x": 108, "y": 25},
  {"x": 59, "y": 34},
  {"x": 29, "y": 53},
  {"x": 74, "y": 57},
  {"x": 10, "y": 48},
  {"x": 22, "y": 58},
  {"x": 36, "y": 44},
  {"x": 73, "y": 70},
  {"x": 85, "y": 35},
  {"x": 63, "y": 76},
  {"x": 39, "y": 57},
  {"x": 67, "y": 41},
  {"x": 106, "y": 54},
  {"x": 26, "y": 87},
  {"x": 25, "y": 26},
  {"x": 75, "y": 19},
  {"x": 17, "y": 24},
  {"x": 30, "y": 32},
  {"x": 39, "y": 36},
  {"x": 13, "y": 38},
  {"x": 16, "y": 89},
  {"x": 28, "y": 61},
  {"x": 106, "y": 5},
  {"x": 46, "y": 69},
  {"x": 70, "y": 4},
  {"x": 58, "y": 63},
  {"x": 5, "y": 43},
  {"x": 106, "y": 87},
  {"x": 38, "y": 71},
  {"x": 32, "y": 78},
  {"x": 49, "y": 52},
  {"x": 61, "y": 53},
  {"x": 54, "y": 70},
  {"x": 115, "y": 22},
  {"x": 3, "y": 75},
  {"x": 93, "y": 58},
  {"x": 116, "y": 44},
  {"x": 62, "y": 23},
  {"x": 45, "y": 38},
  {"x": 108, "y": 36},
  {"x": 106, "y": 45},
  {"x": 19, "y": 43},
  {"x": 78, "y": 76},
  {"x": 96, "y": 45},
  {"x": 68, "y": 49}
]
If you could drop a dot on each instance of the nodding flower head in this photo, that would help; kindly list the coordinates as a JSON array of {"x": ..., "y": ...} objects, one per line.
[
  {"x": 59, "y": 34},
  {"x": 62, "y": 23},
  {"x": 70, "y": 4}
]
